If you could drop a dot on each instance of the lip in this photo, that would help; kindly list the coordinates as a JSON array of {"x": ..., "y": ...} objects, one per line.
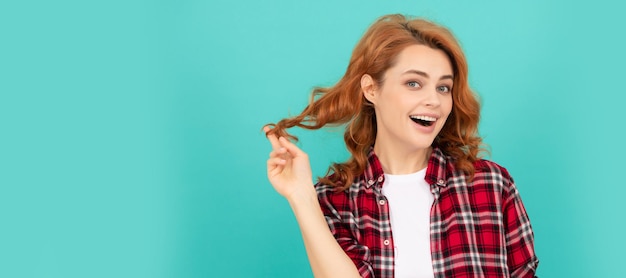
[
  {"x": 425, "y": 129},
  {"x": 432, "y": 115}
]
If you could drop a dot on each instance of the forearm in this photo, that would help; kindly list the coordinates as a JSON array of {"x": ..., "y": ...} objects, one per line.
[{"x": 326, "y": 257}]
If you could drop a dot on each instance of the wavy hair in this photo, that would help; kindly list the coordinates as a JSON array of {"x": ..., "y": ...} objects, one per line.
[{"x": 344, "y": 102}]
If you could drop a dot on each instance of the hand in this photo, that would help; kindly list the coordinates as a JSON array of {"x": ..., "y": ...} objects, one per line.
[{"x": 288, "y": 168}]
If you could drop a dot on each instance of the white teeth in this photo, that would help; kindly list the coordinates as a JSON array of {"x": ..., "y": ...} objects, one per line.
[{"x": 424, "y": 118}]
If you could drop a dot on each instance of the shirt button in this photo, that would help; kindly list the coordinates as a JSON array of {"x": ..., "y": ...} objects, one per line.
[
  {"x": 380, "y": 179},
  {"x": 381, "y": 202},
  {"x": 386, "y": 242},
  {"x": 441, "y": 182},
  {"x": 370, "y": 182}
]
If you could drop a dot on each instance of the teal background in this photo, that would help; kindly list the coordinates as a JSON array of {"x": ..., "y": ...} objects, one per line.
[{"x": 130, "y": 141}]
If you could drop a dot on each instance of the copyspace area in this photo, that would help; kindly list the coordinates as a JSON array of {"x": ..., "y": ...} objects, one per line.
[{"x": 130, "y": 141}]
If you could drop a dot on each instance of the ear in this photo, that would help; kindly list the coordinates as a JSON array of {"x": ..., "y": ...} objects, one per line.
[{"x": 368, "y": 87}]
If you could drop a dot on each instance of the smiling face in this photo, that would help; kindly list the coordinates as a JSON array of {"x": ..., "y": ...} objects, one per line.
[{"x": 414, "y": 100}]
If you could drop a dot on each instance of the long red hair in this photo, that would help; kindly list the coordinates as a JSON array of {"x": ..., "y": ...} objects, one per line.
[{"x": 344, "y": 102}]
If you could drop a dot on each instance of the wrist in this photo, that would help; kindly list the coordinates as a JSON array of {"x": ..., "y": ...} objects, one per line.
[{"x": 304, "y": 195}]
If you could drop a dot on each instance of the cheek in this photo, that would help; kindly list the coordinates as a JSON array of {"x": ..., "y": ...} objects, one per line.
[{"x": 447, "y": 104}]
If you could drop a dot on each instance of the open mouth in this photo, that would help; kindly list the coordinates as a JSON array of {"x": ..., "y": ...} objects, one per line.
[{"x": 423, "y": 120}]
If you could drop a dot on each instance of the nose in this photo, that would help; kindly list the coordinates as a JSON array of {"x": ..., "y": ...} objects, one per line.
[{"x": 432, "y": 97}]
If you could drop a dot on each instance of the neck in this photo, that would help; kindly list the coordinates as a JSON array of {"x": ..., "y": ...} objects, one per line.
[{"x": 399, "y": 162}]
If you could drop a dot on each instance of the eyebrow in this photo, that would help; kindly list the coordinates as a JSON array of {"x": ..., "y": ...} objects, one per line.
[{"x": 426, "y": 74}]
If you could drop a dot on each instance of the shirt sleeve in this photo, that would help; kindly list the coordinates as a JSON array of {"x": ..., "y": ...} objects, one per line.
[
  {"x": 341, "y": 220},
  {"x": 521, "y": 258}
]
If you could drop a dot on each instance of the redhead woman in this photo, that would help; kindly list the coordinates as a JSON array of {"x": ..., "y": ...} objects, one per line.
[{"x": 414, "y": 199}]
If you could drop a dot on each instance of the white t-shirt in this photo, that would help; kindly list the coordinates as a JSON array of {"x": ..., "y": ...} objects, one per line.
[{"x": 409, "y": 199}]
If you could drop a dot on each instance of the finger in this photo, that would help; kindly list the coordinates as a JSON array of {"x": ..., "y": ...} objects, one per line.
[
  {"x": 276, "y": 161},
  {"x": 280, "y": 152},
  {"x": 272, "y": 138},
  {"x": 275, "y": 166},
  {"x": 291, "y": 147}
]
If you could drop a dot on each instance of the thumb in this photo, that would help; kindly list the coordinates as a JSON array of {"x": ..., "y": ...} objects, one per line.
[{"x": 291, "y": 147}]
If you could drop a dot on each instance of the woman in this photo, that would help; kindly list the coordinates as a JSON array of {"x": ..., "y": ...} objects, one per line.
[{"x": 414, "y": 199}]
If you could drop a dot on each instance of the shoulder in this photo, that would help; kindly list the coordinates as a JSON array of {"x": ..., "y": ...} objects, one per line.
[
  {"x": 492, "y": 174},
  {"x": 483, "y": 166},
  {"x": 325, "y": 189},
  {"x": 327, "y": 193},
  {"x": 332, "y": 195}
]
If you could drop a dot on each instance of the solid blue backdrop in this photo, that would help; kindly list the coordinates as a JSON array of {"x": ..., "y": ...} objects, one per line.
[{"x": 130, "y": 141}]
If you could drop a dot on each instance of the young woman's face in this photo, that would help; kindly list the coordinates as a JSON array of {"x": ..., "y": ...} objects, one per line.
[{"x": 415, "y": 99}]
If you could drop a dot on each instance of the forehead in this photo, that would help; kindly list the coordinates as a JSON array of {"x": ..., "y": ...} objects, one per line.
[{"x": 434, "y": 62}]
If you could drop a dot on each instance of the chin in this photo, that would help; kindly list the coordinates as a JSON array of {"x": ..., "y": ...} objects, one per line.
[{"x": 422, "y": 144}]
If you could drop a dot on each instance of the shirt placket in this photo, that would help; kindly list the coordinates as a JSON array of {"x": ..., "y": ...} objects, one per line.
[
  {"x": 436, "y": 231},
  {"x": 386, "y": 238}
]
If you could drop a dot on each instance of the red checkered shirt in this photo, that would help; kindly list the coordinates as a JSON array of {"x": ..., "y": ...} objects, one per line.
[{"x": 478, "y": 228}]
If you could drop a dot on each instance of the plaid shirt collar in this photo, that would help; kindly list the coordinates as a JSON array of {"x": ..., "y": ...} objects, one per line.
[{"x": 435, "y": 172}]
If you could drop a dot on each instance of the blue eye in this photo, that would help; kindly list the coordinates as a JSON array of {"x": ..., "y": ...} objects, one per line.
[
  {"x": 413, "y": 84},
  {"x": 444, "y": 89}
]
